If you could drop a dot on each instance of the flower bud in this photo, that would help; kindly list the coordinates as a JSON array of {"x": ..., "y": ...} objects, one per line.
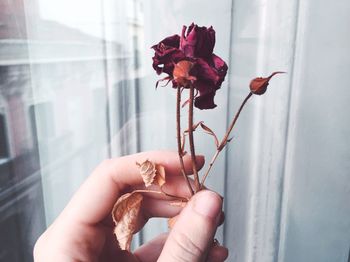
[{"x": 259, "y": 85}]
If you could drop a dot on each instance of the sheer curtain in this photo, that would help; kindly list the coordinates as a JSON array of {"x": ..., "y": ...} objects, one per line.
[{"x": 77, "y": 86}]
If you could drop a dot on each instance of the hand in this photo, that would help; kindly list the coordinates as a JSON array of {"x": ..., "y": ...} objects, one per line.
[{"x": 84, "y": 229}]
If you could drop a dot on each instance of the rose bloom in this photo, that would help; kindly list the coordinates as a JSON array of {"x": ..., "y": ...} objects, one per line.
[{"x": 189, "y": 60}]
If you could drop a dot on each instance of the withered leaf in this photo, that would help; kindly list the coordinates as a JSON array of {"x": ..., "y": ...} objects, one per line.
[
  {"x": 160, "y": 176},
  {"x": 152, "y": 173},
  {"x": 148, "y": 172},
  {"x": 178, "y": 203},
  {"x": 210, "y": 132},
  {"x": 172, "y": 221},
  {"x": 125, "y": 215}
]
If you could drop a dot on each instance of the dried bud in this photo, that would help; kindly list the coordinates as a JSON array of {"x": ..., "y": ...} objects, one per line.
[
  {"x": 181, "y": 73},
  {"x": 259, "y": 85}
]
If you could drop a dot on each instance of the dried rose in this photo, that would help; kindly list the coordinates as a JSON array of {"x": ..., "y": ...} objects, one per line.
[
  {"x": 258, "y": 86},
  {"x": 189, "y": 60}
]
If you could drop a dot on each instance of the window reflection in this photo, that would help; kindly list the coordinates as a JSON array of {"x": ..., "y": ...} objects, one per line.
[
  {"x": 69, "y": 83},
  {"x": 20, "y": 179}
]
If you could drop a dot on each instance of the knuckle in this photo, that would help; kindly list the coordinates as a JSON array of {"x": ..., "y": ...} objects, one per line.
[
  {"x": 104, "y": 167},
  {"x": 106, "y": 163},
  {"x": 189, "y": 250}
]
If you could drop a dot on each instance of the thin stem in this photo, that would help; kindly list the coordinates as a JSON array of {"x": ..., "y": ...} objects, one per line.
[
  {"x": 173, "y": 196},
  {"x": 191, "y": 140},
  {"x": 179, "y": 144},
  {"x": 147, "y": 191},
  {"x": 162, "y": 192},
  {"x": 209, "y": 167},
  {"x": 225, "y": 139}
]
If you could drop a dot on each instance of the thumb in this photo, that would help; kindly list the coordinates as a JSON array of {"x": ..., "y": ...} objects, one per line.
[{"x": 193, "y": 233}]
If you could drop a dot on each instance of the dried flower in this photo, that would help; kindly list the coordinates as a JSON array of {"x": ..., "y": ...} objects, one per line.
[
  {"x": 259, "y": 85},
  {"x": 189, "y": 60}
]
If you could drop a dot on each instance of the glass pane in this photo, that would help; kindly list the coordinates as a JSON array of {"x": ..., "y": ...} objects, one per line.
[
  {"x": 20, "y": 173},
  {"x": 77, "y": 86}
]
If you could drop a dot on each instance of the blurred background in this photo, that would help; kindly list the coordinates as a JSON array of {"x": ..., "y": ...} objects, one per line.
[{"x": 77, "y": 86}]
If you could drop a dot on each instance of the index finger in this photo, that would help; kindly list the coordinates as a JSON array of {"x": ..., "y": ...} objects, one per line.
[{"x": 95, "y": 198}]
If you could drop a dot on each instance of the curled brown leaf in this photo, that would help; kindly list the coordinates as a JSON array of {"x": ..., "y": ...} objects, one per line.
[
  {"x": 172, "y": 221},
  {"x": 160, "y": 176},
  {"x": 210, "y": 132},
  {"x": 148, "y": 172},
  {"x": 126, "y": 216},
  {"x": 152, "y": 173}
]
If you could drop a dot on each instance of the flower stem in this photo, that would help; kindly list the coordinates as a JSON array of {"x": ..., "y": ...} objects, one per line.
[
  {"x": 147, "y": 191},
  {"x": 179, "y": 144},
  {"x": 173, "y": 196},
  {"x": 191, "y": 140},
  {"x": 225, "y": 139}
]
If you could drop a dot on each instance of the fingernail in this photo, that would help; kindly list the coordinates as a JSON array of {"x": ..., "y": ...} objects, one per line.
[{"x": 208, "y": 204}]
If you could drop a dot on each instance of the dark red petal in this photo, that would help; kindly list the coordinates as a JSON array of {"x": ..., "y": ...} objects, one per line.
[
  {"x": 198, "y": 41},
  {"x": 203, "y": 71},
  {"x": 171, "y": 41},
  {"x": 205, "y": 99},
  {"x": 166, "y": 54},
  {"x": 205, "y": 42},
  {"x": 188, "y": 43},
  {"x": 163, "y": 62},
  {"x": 221, "y": 67}
]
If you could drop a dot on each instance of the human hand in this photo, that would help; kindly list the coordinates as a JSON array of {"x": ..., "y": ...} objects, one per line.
[{"x": 84, "y": 229}]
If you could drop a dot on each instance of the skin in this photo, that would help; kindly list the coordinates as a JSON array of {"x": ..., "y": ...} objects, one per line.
[{"x": 84, "y": 229}]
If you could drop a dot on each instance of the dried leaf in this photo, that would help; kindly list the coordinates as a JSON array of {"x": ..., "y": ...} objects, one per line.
[
  {"x": 188, "y": 100},
  {"x": 152, "y": 173},
  {"x": 172, "y": 221},
  {"x": 168, "y": 79},
  {"x": 185, "y": 103},
  {"x": 148, "y": 172},
  {"x": 125, "y": 215},
  {"x": 178, "y": 203},
  {"x": 194, "y": 127},
  {"x": 160, "y": 175},
  {"x": 229, "y": 140},
  {"x": 210, "y": 132}
]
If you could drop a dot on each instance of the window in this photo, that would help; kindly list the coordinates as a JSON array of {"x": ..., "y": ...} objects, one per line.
[{"x": 77, "y": 86}]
